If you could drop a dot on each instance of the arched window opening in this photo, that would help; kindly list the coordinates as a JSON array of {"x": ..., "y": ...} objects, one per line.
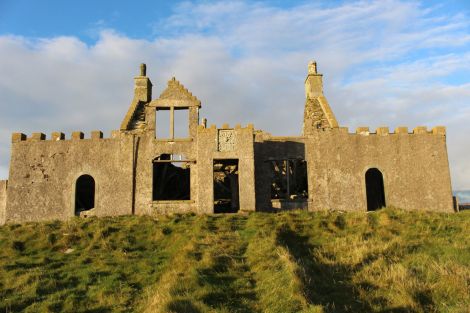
[
  {"x": 375, "y": 189},
  {"x": 84, "y": 194}
]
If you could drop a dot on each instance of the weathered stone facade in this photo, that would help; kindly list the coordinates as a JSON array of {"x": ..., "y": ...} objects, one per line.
[
  {"x": 226, "y": 169},
  {"x": 3, "y": 200}
]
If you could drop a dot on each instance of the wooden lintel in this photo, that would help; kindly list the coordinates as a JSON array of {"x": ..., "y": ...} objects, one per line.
[{"x": 174, "y": 161}]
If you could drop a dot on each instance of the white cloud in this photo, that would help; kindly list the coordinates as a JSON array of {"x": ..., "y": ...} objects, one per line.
[{"x": 385, "y": 63}]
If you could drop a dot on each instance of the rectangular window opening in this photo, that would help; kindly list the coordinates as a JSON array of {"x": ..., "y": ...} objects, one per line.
[
  {"x": 289, "y": 179},
  {"x": 171, "y": 178},
  {"x": 226, "y": 187},
  {"x": 182, "y": 123},
  {"x": 162, "y": 124}
]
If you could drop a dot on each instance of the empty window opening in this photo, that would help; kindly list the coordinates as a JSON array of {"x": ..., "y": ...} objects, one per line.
[
  {"x": 289, "y": 179},
  {"x": 375, "y": 189},
  {"x": 226, "y": 189},
  {"x": 176, "y": 158},
  {"x": 171, "y": 123},
  {"x": 162, "y": 124},
  {"x": 84, "y": 194},
  {"x": 182, "y": 123},
  {"x": 171, "y": 178}
]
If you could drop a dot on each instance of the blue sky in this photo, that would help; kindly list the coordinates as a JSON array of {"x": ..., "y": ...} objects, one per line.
[
  {"x": 68, "y": 65},
  {"x": 84, "y": 19},
  {"x": 81, "y": 18}
]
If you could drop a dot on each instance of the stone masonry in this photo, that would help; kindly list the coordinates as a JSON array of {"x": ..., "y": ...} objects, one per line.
[{"x": 141, "y": 169}]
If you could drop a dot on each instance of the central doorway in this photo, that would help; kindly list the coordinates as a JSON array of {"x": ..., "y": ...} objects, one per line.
[{"x": 226, "y": 187}]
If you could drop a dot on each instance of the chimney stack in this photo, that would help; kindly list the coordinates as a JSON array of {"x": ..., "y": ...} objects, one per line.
[
  {"x": 313, "y": 82},
  {"x": 143, "y": 85}
]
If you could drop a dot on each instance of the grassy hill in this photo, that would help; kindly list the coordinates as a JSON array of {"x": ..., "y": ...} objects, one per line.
[{"x": 386, "y": 261}]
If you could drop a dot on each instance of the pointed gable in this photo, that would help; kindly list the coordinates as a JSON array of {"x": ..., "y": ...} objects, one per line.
[{"x": 176, "y": 95}]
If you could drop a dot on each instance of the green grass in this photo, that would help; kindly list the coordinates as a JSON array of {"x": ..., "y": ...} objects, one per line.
[{"x": 386, "y": 261}]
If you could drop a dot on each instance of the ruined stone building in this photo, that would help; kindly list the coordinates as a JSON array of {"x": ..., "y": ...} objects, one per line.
[{"x": 144, "y": 169}]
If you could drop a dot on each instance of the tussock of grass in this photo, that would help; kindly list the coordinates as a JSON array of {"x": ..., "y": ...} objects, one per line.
[{"x": 386, "y": 261}]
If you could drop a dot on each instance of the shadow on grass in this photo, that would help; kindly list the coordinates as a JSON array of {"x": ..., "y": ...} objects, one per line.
[
  {"x": 226, "y": 291},
  {"x": 229, "y": 275},
  {"x": 98, "y": 310},
  {"x": 424, "y": 298},
  {"x": 17, "y": 306},
  {"x": 324, "y": 284},
  {"x": 182, "y": 306}
]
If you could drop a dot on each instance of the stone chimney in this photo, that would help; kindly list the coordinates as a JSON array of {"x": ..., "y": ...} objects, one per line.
[
  {"x": 143, "y": 85},
  {"x": 317, "y": 112},
  {"x": 135, "y": 117},
  {"x": 313, "y": 82}
]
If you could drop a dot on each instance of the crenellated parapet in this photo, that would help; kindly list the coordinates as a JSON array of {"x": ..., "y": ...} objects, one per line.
[
  {"x": 60, "y": 136},
  {"x": 401, "y": 130},
  {"x": 224, "y": 126}
]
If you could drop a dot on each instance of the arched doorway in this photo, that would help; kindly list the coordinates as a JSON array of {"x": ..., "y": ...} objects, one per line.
[
  {"x": 375, "y": 189},
  {"x": 84, "y": 194}
]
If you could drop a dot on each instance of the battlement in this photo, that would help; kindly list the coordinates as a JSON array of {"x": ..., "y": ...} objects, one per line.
[
  {"x": 59, "y": 136},
  {"x": 401, "y": 130},
  {"x": 226, "y": 126}
]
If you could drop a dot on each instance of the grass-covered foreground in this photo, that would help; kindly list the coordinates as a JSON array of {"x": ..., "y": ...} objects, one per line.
[{"x": 387, "y": 261}]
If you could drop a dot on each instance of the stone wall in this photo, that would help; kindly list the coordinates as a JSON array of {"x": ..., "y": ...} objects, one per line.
[
  {"x": 150, "y": 148},
  {"x": 274, "y": 148},
  {"x": 240, "y": 147},
  {"x": 414, "y": 167},
  {"x": 43, "y": 175},
  {"x": 200, "y": 151},
  {"x": 3, "y": 200}
]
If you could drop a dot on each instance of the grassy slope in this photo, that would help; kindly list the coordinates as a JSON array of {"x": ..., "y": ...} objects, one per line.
[{"x": 386, "y": 261}]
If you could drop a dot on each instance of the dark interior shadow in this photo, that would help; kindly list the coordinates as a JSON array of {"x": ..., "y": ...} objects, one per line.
[{"x": 265, "y": 153}]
